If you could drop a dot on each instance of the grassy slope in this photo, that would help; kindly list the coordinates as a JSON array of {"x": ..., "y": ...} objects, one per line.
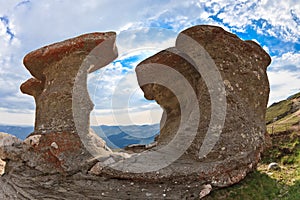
[
  {"x": 281, "y": 109},
  {"x": 280, "y": 184}
]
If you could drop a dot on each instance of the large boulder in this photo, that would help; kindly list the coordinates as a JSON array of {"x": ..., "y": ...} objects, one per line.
[{"x": 227, "y": 76}]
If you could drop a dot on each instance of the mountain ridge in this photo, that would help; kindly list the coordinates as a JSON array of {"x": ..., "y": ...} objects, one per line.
[
  {"x": 284, "y": 115},
  {"x": 114, "y": 136}
]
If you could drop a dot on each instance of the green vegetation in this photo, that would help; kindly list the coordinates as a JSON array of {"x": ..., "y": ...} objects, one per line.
[
  {"x": 284, "y": 115},
  {"x": 274, "y": 184},
  {"x": 278, "y": 110},
  {"x": 257, "y": 185},
  {"x": 295, "y": 96},
  {"x": 283, "y": 183}
]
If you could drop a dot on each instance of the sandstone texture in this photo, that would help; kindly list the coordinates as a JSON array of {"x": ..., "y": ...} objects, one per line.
[
  {"x": 242, "y": 67},
  {"x": 59, "y": 88},
  {"x": 10, "y": 147},
  {"x": 212, "y": 86},
  {"x": 55, "y": 68}
]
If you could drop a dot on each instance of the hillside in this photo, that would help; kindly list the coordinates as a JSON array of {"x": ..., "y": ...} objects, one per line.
[
  {"x": 282, "y": 121},
  {"x": 285, "y": 111}
]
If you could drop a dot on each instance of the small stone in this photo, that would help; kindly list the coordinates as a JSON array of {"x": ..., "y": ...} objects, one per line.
[
  {"x": 205, "y": 190},
  {"x": 148, "y": 194},
  {"x": 62, "y": 190},
  {"x": 273, "y": 166},
  {"x": 54, "y": 145},
  {"x": 96, "y": 169},
  {"x": 33, "y": 140},
  {"x": 2, "y": 167}
]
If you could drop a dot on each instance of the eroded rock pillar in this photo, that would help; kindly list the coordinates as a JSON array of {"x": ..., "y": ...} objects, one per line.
[{"x": 59, "y": 87}]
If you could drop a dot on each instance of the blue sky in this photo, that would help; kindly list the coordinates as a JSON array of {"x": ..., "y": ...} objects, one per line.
[{"x": 144, "y": 27}]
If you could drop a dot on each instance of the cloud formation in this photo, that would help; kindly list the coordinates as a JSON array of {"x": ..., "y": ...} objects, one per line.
[{"x": 142, "y": 27}]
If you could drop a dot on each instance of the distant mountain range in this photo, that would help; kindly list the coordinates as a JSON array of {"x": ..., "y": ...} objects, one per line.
[
  {"x": 19, "y": 131},
  {"x": 278, "y": 115},
  {"x": 115, "y": 136}
]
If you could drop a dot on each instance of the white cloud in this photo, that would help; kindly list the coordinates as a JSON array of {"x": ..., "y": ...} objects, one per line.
[
  {"x": 287, "y": 59},
  {"x": 142, "y": 25},
  {"x": 137, "y": 118},
  {"x": 119, "y": 99},
  {"x": 16, "y": 118},
  {"x": 284, "y": 76},
  {"x": 283, "y": 84},
  {"x": 239, "y": 14}
]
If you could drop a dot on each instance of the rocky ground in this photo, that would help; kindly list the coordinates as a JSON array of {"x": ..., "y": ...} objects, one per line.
[
  {"x": 264, "y": 183},
  {"x": 80, "y": 186}
]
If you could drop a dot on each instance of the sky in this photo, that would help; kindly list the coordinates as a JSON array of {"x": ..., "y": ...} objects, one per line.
[{"x": 144, "y": 27}]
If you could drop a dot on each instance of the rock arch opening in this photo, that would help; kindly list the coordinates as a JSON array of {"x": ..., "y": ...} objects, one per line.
[{"x": 121, "y": 115}]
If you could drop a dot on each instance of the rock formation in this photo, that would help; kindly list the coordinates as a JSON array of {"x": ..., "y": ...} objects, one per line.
[
  {"x": 212, "y": 86},
  {"x": 63, "y": 105},
  {"x": 8, "y": 144},
  {"x": 55, "y": 68},
  {"x": 228, "y": 152}
]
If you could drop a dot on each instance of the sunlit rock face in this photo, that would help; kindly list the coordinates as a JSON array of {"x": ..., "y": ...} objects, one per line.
[
  {"x": 212, "y": 86},
  {"x": 230, "y": 150},
  {"x": 62, "y": 101},
  {"x": 55, "y": 69}
]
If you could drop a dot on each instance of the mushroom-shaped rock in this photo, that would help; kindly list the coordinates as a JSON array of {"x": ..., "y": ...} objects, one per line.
[
  {"x": 228, "y": 77},
  {"x": 55, "y": 68},
  {"x": 62, "y": 101},
  {"x": 39, "y": 61}
]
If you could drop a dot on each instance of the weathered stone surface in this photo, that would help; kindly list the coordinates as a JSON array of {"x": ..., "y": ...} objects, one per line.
[
  {"x": 10, "y": 147},
  {"x": 55, "y": 68},
  {"x": 62, "y": 101},
  {"x": 62, "y": 143},
  {"x": 87, "y": 187},
  {"x": 242, "y": 66}
]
